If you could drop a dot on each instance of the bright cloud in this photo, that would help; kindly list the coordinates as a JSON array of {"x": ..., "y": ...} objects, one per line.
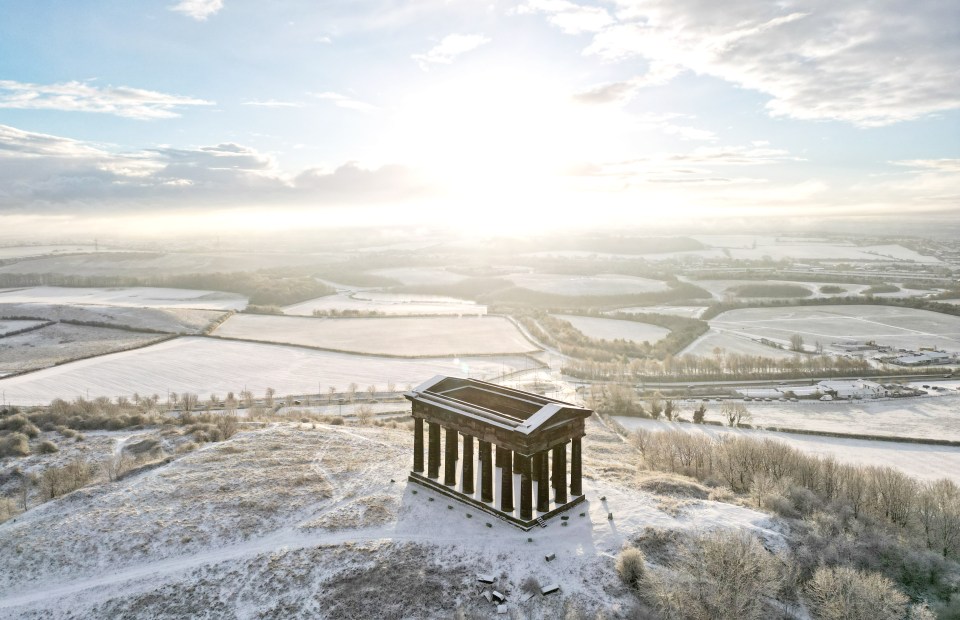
[
  {"x": 199, "y": 10},
  {"x": 868, "y": 65},
  {"x": 84, "y": 97},
  {"x": 449, "y": 48},
  {"x": 569, "y": 17}
]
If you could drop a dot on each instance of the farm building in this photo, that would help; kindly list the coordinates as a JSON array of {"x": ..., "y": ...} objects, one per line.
[
  {"x": 522, "y": 446},
  {"x": 926, "y": 358},
  {"x": 852, "y": 389}
]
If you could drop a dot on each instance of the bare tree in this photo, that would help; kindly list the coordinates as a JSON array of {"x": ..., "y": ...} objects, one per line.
[
  {"x": 735, "y": 413},
  {"x": 796, "y": 343},
  {"x": 268, "y": 398},
  {"x": 842, "y": 592},
  {"x": 699, "y": 413}
]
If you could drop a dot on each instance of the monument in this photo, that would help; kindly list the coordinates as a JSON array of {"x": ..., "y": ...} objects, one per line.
[{"x": 521, "y": 441}]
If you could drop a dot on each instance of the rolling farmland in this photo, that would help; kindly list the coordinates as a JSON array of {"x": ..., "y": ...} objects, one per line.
[{"x": 613, "y": 329}]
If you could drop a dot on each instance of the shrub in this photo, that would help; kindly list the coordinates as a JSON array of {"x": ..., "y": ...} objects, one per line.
[
  {"x": 843, "y": 592},
  {"x": 19, "y": 423},
  {"x": 14, "y": 444},
  {"x": 47, "y": 447},
  {"x": 530, "y": 585},
  {"x": 335, "y": 421},
  {"x": 228, "y": 425},
  {"x": 631, "y": 567}
]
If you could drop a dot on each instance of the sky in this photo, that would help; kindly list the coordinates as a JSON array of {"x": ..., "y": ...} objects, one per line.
[{"x": 159, "y": 116}]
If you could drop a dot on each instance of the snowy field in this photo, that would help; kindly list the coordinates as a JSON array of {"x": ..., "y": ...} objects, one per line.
[
  {"x": 613, "y": 329},
  {"x": 388, "y": 303},
  {"x": 752, "y": 247},
  {"x": 602, "y": 284},
  {"x": 145, "y": 264},
  {"x": 209, "y": 366},
  {"x": 420, "y": 276},
  {"x": 168, "y": 320},
  {"x": 24, "y": 251},
  {"x": 136, "y": 297},
  {"x": 403, "y": 336},
  {"x": 722, "y": 289},
  {"x": 733, "y": 342},
  {"x": 62, "y": 342},
  {"x": 933, "y": 417},
  {"x": 14, "y": 326},
  {"x": 294, "y": 521},
  {"x": 921, "y": 461},
  {"x": 897, "y": 327}
]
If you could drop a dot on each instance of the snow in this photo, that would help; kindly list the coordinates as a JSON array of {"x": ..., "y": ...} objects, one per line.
[
  {"x": 420, "y": 276},
  {"x": 277, "y": 518},
  {"x": 907, "y": 328},
  {"x": 211, "y": 366},
  {"x": 169, "y": 320},
  {"x": 135, "y": 297},
  {"x": 62, "y": 342},
  {"x": 14, "y": 326},
  {"x": 25, "y": 251},
  {"x": 602, "y": 284},
  {"x": 613, "y": 329},
  {"x": 402, "y": 336},
  {"x": 733, "y": 342},
  {"x": 923, "y": 461},
  {"x": 388, "y": 303}
]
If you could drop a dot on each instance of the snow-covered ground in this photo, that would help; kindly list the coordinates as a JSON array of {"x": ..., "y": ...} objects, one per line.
[
  {"x": 308, "y": 522},
  {"x": 613, "y": 329},
  {"x": 923, "y": 461},
  {"x": 210, "y": 366},
  {"x": 733, "y": 342},
  {"x": 134, "y": 297},
  {"x": 420, "y": 276},
  {"x": 61, "y": 342},
  {"x": 14, "y": 326},
  {"x": 687, "y": 311},
  {"x": 601, "y": 284},
  {"x": 402, "y": 336},
  {"x": 389, "y": 304},
  {"x": 907, "y": 328},
  {"x": 169, "y": 320}
]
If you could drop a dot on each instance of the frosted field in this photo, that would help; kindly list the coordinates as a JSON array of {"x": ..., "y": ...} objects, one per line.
[
  {"x": 612, "y": 329},
  {"x": 420, "y": 276},
  {"x": 924, "y": 462},
  {"x": 24, "y": 251},
  {"x": 742, "y": 247},
  {"x": 388, "y": 303},
  {"x": 14, "y": 326},
  {"x": 168, "y": 320},
  {"x": 286, "y": 521},
  {"x": 61, "y": 342},
  {"x": 933, "y": 417},
  {"x": 692, "y": 312},
  {"x": 209, "y": 366},
  {"x": 602, "y": 284},
  {"x": 733, "y": 342},
  {"x": 898, "y": 327},
  {"x": 150, "y": 264},
  {"x": 404, "y": 336},
  {"x": 135, "y": 297},
  {"x": 719, "y": 288}
]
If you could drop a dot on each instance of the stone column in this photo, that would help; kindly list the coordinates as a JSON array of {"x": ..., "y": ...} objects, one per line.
[
  {"x": 506, "y": 480},
  {"x": 467, "y": 473},
  {"x": 418, "y": 445},
  {"x": 526, "y": 489},
  {"x": 433, "y": 451},
  {"x": 450, "y": 458},
  {"x": 486, "y": 472},
  {"x": 576, "y": 469},
  {"x": 560, "y": 473},
  {"x": 540, "y": 463}
]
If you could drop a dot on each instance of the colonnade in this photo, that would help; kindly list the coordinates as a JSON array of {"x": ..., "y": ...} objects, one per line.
[{"x": 546, "y": 470}]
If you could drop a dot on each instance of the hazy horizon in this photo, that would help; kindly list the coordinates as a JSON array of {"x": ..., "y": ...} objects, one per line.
[{"x": 199, "y": 117}]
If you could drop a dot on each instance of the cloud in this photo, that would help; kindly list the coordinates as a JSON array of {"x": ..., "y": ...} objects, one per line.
[
  {"x": 449, "y": 48},
  {"x": 569, "y": 17},
  {"x": 199, "y": 10},
  {"x": 83, "y": 97},
  {"x": 343, "y": 101},
  {"x": 869, "y": 65},
  {"x": 52, "y": 174},
  {"x": 936, "y": 165}
]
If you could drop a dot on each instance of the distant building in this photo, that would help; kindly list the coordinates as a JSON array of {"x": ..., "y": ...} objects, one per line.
[
  {"x": 925, "y": 359},
  {"x": 846, "y": 390}
]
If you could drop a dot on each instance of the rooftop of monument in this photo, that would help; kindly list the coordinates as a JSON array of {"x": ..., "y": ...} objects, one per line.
[{"x": 506, "y": 407}]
